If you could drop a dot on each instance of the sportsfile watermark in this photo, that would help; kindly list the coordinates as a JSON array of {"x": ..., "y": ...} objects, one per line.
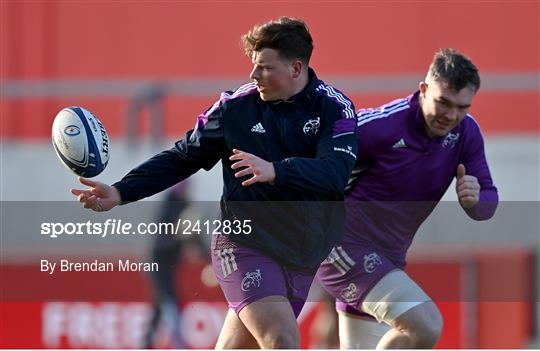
[
  {"x": 121, "y": 227},
  {"x": 450, "y": 249}
]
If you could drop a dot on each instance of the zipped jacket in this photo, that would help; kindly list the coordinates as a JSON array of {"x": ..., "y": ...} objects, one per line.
[{"x": 311, "y": 141}]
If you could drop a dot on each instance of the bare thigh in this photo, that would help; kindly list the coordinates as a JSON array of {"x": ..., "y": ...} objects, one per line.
[
  {"x": 234, "y": 334},
  {"x": 272, "y": 322}
]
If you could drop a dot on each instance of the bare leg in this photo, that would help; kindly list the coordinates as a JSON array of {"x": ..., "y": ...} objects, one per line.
[
  {"x": 272, "y": 322},
  {"x": 234, "y": 334}
]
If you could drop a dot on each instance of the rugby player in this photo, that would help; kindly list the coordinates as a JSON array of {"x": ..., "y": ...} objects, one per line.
[
  {"x": 409, "y": 151},
  {"x": 286, "y": 138}
]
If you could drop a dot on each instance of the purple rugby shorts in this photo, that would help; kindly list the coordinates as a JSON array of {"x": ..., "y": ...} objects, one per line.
[
  {"x": 246, "y": 275},
  {"x": 349, "y": 272}
]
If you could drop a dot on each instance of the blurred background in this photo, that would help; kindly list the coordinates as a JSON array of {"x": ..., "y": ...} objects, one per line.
[{"x": 147, "y": 69}]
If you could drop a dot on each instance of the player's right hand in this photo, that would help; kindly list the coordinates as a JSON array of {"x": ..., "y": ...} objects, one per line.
[{"x": 100, "y": 197}]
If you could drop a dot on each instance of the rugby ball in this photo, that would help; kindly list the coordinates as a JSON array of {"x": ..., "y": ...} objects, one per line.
[{"x": 80, "y": 141}]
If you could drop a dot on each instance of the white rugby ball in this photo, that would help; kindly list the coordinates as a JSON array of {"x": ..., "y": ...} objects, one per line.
[{"x": 80, "y": 141}]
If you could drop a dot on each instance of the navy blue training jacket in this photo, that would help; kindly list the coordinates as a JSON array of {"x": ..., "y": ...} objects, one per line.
[{"x": 311, "y": 140}]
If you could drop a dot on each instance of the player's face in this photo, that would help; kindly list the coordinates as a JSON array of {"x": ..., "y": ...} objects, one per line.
[
  {"x": 443, "y": 108},
  {"x": 274, "y": 76}
]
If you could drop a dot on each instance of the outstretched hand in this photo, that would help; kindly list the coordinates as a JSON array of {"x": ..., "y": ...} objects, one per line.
[
  {"x": 262, "y": 171},
  {"x": 100, "y": 197},
  {"x": 467, "y": 188}
]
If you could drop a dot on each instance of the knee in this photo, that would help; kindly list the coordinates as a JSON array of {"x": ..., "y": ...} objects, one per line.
[
  {"x": 428, "y": 332},
  {"x": 234, "y": 344},
  {"x": 281, "y": 340},
  {"x": 427, "y": 337}
]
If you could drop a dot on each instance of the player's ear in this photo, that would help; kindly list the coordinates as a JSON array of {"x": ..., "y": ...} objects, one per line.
[
  {"x": 422, "y": 86},
  {"x": 297, "y": 67}
]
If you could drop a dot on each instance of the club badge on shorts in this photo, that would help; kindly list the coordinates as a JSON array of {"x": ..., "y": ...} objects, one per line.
[
  {"x": 371, "y": 261},
  {"x": 251, "y": 279},
  {"x": 349, "y": 293}
]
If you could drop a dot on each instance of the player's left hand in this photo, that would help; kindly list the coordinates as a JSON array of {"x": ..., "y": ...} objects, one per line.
[
  {"x": 262, "y": 171},
  {"x": 467, "y": 188}
]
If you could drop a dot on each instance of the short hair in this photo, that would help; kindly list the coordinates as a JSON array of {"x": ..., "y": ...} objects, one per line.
[
  {"x": 289, "y": 36},
  {"x": 455, "y": 69}
]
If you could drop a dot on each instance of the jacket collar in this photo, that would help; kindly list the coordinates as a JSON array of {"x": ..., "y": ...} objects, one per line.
[
  {"x": 306, "y": 94},
  {"x": 418, "y": 123}
]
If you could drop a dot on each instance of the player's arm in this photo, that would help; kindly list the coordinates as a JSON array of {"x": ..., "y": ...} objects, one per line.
[
  {"x": 474, "y": 186},
  {"x": 201, "y": 148},
  {"x": 329, "y": 171}
]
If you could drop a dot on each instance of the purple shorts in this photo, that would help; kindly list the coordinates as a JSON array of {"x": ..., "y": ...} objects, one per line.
[
  {"x": 246, "y": 275},
  {"x": 350, "y": 272}
]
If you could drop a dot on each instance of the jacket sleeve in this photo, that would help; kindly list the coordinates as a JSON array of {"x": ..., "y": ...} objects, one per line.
[
  {"x": 329, "y": 171},
  {"x": 475, "y": 162},
  {"x": 202, "y": 147}
]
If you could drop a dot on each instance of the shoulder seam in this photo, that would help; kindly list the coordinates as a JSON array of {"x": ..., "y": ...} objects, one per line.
[
  {"x": 474, "y": 120},
  {"x": 366, "y": 116},
  {"x": 339, "y": 98},
  {"x": 226, "y": 96}
]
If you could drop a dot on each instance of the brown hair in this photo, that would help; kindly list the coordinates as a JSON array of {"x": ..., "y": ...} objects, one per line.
[
  {"x": 289, "y": 36},
  {"x": 455, "y": 69}
]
